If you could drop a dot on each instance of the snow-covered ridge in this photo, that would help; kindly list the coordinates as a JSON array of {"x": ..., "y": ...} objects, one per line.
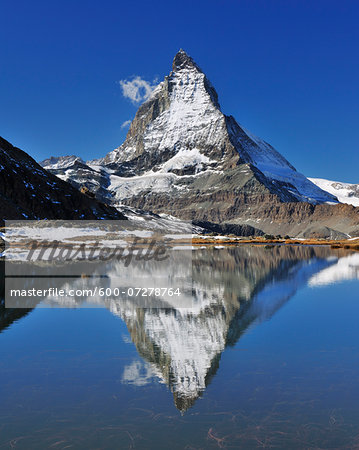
[
  {"x": 345, "y": 192},
  {"x": 274, "y": 166},
  {"x": 60, "y": 162}
]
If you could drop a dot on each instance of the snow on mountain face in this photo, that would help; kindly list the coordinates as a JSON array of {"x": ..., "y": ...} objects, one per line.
[
  {"x": 345, "y": 192},
  {"x": 274, "y": 166},
  {"x": 179, "y": 129},
  {"x": 75, "y": 171},
  {"x": 186, "y": 158},
  {"x": 192, "y": 119},
  {"x": 60, "y": 162}
]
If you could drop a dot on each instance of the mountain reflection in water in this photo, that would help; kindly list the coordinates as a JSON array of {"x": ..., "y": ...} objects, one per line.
[{"x": 233, "y": 289}]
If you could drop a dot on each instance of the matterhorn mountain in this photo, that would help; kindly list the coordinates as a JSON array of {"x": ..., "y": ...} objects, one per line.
[
  {"x": 182, "y": 156},
  {"x": 180, "y": 130}
]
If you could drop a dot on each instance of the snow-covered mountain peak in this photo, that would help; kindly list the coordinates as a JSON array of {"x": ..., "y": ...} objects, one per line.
[
  {"x": 183, "y": 60},
  {"x": 181, "y": 115},
  {"x": 186, "y": 72},
  {"x": 61, "y": 162},
  {"x": 181, "y": 130}
]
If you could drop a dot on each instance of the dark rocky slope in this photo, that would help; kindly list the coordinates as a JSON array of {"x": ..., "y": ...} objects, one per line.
[{"x": 27, "y": 191}]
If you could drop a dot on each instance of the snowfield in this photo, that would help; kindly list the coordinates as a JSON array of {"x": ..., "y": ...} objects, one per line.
[{"x": 345, "y": 192}]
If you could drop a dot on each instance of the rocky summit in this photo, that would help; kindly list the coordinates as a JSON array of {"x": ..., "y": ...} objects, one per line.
[{"x": 182, "y": 156}]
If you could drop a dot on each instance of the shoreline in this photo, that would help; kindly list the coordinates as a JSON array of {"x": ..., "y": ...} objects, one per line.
[
  {"x": 222, "y": 240},
  {"x": 348, "y": 244}
]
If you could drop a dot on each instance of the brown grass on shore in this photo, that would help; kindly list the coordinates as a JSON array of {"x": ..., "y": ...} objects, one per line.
[{"x": 346, "y": 244}]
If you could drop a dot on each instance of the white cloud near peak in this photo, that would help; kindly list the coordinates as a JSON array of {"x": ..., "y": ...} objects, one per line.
[
  {"x": 126, "y": 124},
  {"x": 137, "y": 89}
]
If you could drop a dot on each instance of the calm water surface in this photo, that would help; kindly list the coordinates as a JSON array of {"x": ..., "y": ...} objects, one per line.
[{"x": 268, "y": 357}]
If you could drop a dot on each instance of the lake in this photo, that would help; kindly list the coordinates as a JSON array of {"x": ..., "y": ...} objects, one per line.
[{"x": 266, "y": 357}]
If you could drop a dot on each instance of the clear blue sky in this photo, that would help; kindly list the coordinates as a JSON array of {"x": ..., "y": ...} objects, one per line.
[{"x": 287, "y": 70}]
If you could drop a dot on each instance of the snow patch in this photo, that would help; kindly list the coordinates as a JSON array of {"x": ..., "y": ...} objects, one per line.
[{"x": 345, "y": 192}]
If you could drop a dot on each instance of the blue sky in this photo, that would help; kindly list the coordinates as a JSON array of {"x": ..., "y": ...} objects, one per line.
[{"x": 286, "y": 70}]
